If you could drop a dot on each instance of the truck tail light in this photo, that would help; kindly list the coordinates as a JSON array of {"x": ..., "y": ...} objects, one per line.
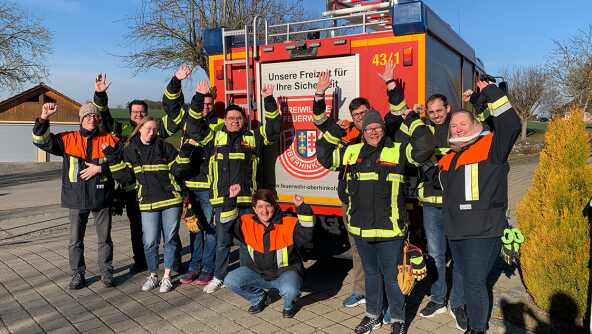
[{"x": 408, "y": 56}]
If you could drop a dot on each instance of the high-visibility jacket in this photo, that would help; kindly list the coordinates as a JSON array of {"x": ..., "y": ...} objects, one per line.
[
  {"x": 169, "y": 124},
  {"x": 234, "y": 158},
  {"x": 273, "y": 249},
  {"x": 77, "y": 150},
  {"x": 196, "y": 177},
  {"x": 429, "y": 191},
  {"x": 334, "y": 134},
  {"x": 152, "y": 167},
  {"x": 475, "y": 179},
  {"x": 373, "y": 177}
]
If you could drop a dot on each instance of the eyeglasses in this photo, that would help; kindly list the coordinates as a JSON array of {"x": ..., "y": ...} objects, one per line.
[
  {"x": 375, "y": 130},
  {"x": 93, "y": 116},
  {"x": 139, "y": 112},
  {"x": 358, "y": 114}
]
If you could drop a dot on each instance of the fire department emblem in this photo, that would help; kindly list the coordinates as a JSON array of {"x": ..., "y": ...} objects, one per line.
[
  {"x": 306, "y": 143},
  {"x": 299, "y": 153}
]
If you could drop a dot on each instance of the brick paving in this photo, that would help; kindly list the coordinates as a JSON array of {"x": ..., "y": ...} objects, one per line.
[{"x": 34, "y": 276}]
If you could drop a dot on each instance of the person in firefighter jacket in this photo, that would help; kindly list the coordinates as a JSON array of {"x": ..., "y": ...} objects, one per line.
[
  {"x": 373, "y": 176},
  {"x": 346, "y": 133},
  {"x": 233, "y": 154},
  {"x": 150, "y": 162},
  {"x": 126, "y": 194},
  {"x": 87, "y": 185},
  {"x": 202, "y": 244},
  {"x": 430, "y": 196},
  {"x": 271, "y": 240},
  {"x": 474, "y": 178}
]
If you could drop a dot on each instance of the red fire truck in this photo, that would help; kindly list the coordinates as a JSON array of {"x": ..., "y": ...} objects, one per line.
[{"x": 353, "y": 40}]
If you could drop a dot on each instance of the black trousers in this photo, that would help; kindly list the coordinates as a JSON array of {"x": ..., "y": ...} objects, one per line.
[
  {"x": 78, "y": 221},
  {"x": 132, "y": 209}
]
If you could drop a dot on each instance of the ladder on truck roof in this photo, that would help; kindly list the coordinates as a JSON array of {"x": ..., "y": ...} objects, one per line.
[
  {"x": 230, "y": 92},
  {"x": 361, "y": 17}
]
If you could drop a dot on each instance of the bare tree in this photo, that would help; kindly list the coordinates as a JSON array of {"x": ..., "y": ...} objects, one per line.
[
  {"x": 526, "y": 90},
  {"x": 24, "y": 45},
  {"x": 571, "y": 70},
  {"x": 169, "y": 32}
]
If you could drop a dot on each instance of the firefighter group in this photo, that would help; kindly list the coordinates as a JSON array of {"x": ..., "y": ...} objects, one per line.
[{"x": 453, "y": 162}]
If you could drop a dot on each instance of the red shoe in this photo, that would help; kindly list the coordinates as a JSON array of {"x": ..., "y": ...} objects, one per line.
[
  {"x": 189, "y": 277},
  {"x": 203, "y": 279}
]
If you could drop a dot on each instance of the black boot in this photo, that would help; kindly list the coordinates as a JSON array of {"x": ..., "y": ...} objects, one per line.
[{"x": 77, "y": 281}]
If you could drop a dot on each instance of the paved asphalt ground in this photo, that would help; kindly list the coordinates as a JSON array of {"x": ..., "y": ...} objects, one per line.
[{"x": 34, "y": 276}]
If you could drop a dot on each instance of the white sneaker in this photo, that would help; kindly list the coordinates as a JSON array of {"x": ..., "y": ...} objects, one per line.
[
  {"x": 166, "y": 285},
  {"x": 214, "y": 285},
  {"x": 151, "y": 283}
]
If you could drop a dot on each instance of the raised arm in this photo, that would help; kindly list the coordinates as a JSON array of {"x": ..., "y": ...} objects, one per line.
[
  {"x": 172, "y": 102},
  {"x": 506, "y": 123},
  {"x": 270, "y": 131},
  {"x": 303, "y": 233},
  {"x": 101, "y": 101},
  {"x": 42, "y": 137},
  {"x": 395, "y": 89}
]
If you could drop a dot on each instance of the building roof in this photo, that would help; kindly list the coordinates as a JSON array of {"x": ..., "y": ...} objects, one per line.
[{"x": 33, "y": 91}]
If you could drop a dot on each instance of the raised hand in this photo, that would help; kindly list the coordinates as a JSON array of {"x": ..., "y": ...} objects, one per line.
[
  {"x": 298, "y": 200},
  {"x": 234, "y": 190},
  {"x": 203, "y": 87},
  {"x": 467, "y": 95},
  {"x": 101, "y": 83},
  {"x": 418, "y": 108},
  {"x": 482, "y": 84},
  {"x": 389, "y": 71},
  {"x": 344, "y": 123},
  {"x": 90, "y": 171},
  {"x": 48, "y": 109},
  {"x": 267, "y": 90},
  {"x": 323, "y": 83},
  {"x": 183, "y": 72}
]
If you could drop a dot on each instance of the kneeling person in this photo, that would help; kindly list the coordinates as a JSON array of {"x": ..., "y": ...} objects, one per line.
[{"x": 271, "y": 240}]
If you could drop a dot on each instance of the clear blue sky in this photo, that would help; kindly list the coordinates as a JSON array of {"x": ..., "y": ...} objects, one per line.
[{"x": 87, "y": 35}]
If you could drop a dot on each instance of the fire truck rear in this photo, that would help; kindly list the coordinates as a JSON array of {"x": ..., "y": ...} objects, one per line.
[{"x": 353, "y": 40}]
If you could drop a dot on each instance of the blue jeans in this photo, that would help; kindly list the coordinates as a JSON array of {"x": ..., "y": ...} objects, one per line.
[
  {"x": 203, "y": 243},
  {"x": 223, "y": 244},
  {"x": 380, "y": 260},
  {"x": 433, "y": 225},
  {"x": 476, "y": 257},
  {"x": 250, "y": 284},
  {"x": 153, "y": 224}
]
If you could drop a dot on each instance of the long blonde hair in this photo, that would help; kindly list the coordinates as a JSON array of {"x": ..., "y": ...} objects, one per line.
[{"x": 144, "y": 120}]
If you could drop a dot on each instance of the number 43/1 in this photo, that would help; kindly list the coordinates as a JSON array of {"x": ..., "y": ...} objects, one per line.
[{"x": 380, "y": 59}]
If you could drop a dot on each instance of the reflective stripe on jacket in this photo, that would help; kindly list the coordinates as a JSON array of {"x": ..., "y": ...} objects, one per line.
[
  {"x": 475, "y": 179},
  {"x": 76, "y": 151}
]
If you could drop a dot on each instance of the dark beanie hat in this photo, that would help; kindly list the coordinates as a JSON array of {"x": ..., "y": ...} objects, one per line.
[
  {"x": 370, "y": 117},
  {"x": 235, "y": 107}
]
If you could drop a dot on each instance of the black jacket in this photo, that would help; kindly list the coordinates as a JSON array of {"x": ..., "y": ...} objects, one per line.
[
  {"x": 429, "y": 189},
  {"x": 152, "y": 167},
  {"x": 78, "y": 148},
  {"x": 334, "y": 134},
  {"x": 374, "y": 177},
  {"x": 234, "y": 158},
  {"x": 271, "y": 249},
  {"x": 475, "y": 179}
]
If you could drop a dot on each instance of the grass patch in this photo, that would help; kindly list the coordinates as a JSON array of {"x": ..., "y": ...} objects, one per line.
[{"x": 123, "y": 114}]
